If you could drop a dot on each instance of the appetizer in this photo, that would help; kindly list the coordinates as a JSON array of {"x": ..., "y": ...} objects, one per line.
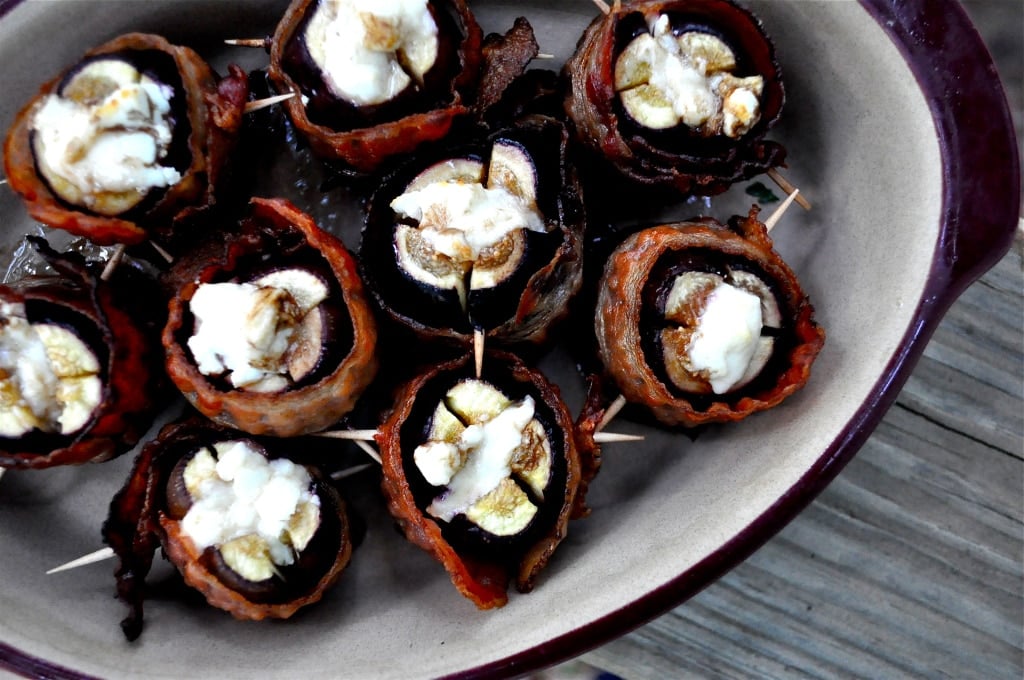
[
  {"x": 677, "y": 93},
  {"x": 259, "y": 535},
  {"x": 270, "y": 332},
  {"x": 481, "y": 472},
  {"x": 125, "y": 140},
  {"x": 377, "y": 78},
  {"x": 698, "y": 322},
  {"x": 80, "y": 377},
  {"x": 486, "y": 236}
]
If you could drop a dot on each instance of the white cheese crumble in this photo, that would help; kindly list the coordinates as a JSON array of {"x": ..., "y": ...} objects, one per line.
[
  {"x": 726, "y": 337},
  {"x": 49, "y": 378},
  {"x": 487, "y": 449},
  {"x": 111, "y": 145},
  {"x": 462, "y": 219},
  {"x": 370, "y": 50},
  {"x": 665, "y": 80},
  {"x": 237, "y": 492},
  {"x": 247, "y": 329}
]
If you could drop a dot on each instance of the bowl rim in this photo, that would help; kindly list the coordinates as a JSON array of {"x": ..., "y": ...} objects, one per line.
[{"x": 978, "y": 219}]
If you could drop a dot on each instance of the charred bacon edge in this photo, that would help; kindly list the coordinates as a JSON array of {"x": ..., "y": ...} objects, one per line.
[
  {"x": 483, "y": 582},
  {"x": 619, "y": 310},
  {"x": 307, "y": 408}
]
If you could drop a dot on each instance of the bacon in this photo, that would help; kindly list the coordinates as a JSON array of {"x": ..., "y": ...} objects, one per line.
[
  {"x": 484, "y": 579},
  {"x": 125, "y": 314},
  {"x": 620, "y": 308},
  {"x": 277, "y": 227},
  {"x": 686, "y": 164},
  {"x": 214, "y": 117},
  {"x": 139, "y": 522}
]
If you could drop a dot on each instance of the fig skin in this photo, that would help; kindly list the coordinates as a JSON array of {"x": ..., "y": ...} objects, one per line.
[
  {"x": 675, "y": 159},
  {"x": 214, "y": 116},
  {"x": 480, "y": 577},
  {"x": 620, "y": 310},
  {"x": 307, "y": 407}
]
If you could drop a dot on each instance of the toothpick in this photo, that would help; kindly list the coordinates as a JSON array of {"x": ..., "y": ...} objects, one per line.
[
  {"x": 3, "y": 181},
  {"x": 115, "y": 259},
  {"x": 603, "y": 6},
  {"x": 613, "y": 437},
  {"x": 788, "y": 187},
  {"x": 370, "y": 451},
  {"x": 264, "y": 103},
  {"x": 478, "y": 350},
  {"x": 348, "y": 472},
  {"x": 98, "y": 556},
  {"x": 2, "y": 471},
  {"x": 544, "y": 55},
  {"x": 247, "y": 42},
  {"x": 163, "y": 253},
  {"x": 355, "y": 435},
  {"x": 774, "y": 218},
  {"x": 610, "y": 413}
]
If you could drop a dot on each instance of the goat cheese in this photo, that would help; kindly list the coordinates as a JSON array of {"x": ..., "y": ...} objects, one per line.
[
  {"x": 726, "y": 337},
  {"x": 371, "y": 50}
]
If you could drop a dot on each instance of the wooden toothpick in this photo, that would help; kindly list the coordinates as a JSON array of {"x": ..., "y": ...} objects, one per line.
[
  {"x": 603, "y": 6},
  {"x": 610, "y": 413},
  {"x": 615, "y": 437},
  {"x": 258, "y": 104},
  {"x": 91, "y": 558},
  {"x": 788, "y": 187},
  {"x": 113, "y": 262},
  {"x": 354, "y": 435},
  {"x": 478, "y": 351},
  {"x": 248, "y": 42},
  {"x": 774, "y": 218}
]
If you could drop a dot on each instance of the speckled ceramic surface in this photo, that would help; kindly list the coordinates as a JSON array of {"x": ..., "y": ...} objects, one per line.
[{"x": 888, "y": 244}]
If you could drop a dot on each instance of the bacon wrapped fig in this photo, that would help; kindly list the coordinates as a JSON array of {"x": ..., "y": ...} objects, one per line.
[
  {"x": 481, "y": 472},
  {"x": 380, "y": 79},
  {"x": 486, "y": 236},
  {"x": 80, "y": 367},
  {"x": 700, "y": 323},
  {"x": 678, "y": 93},
  {"x": 119, "y": 144},
  {"x": 271, "y": 333},
  {"x": 259, "y": 535}
]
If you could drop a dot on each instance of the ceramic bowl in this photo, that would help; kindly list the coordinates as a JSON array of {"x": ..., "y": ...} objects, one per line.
[{"x": 897, "y": 131}]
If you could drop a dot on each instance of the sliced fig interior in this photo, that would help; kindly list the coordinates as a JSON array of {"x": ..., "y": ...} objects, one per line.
[
  {"x": 252, "y": 516},
  {"x": 671, "y": 75},
  {"x": 107, "y": 138},
  {"x": 717, "y": 328},
  {"x": 490, "y": 455},
  {"x": 51, "y": 372},
  {"x": 463, "y": 225},
  {"x": 268, "y": 333}
]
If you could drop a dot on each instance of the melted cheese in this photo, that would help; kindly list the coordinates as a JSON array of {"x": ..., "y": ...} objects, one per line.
[
  {"x": 240, "y": 493},
  {"x": 726, "y": 337},
  {"x": 462, "y": 219},
  {"x": 369, "y": 51},
  {"x": 112, "y": 145}
]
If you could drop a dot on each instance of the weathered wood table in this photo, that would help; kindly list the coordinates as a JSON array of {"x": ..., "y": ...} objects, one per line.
[{"x": 910, "y": 563}]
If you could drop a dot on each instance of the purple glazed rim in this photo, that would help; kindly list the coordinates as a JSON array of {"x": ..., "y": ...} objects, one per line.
[{"x": 980, "y": 209}]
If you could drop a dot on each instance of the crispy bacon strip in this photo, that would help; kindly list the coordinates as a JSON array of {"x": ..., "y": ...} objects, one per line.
[
  {"x": 483, "y": 580},
  {"x": 214, "y": 116},
  {"x": 307, "y": 408},
  {"x": 694, "y": 165},
  {"x": 139, "y": 523},
  {"x": 125, "y": 314},
  {"x": 365, "y": 148},
  {"x": 620, "y": 310}
]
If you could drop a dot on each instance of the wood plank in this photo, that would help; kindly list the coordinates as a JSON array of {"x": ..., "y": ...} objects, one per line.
[{"x": 908, "y": 565}]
